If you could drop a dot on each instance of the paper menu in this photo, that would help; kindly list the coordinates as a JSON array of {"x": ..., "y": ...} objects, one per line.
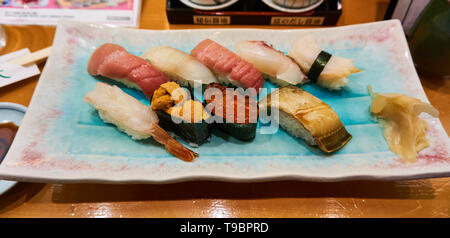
[
  {"x": 11, "y": 73},
  {"x": 49, "y": 12}
]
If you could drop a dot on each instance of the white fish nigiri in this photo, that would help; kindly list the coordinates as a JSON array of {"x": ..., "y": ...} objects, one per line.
[
  {"x": 179, "y": 66},
  {"x": 335, "y": 73},
  {"x": 134, "y": 118},
  {"x": 279, "y": 68}
]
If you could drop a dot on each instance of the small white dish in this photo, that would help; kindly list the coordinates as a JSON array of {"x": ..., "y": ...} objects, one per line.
[
  {"x": 10, "y": 112},
  {"x": 275, "y": 6},
  {"x": 208, "y": 7}
]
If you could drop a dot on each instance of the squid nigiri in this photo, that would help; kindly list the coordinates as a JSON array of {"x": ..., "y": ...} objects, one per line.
[
  {"x": 228, "y": 67},
  {"x": 304, "y": 116},
  {"x": 134, "y": 118},
  {"x": 179, "y": 66},
  {"x": 279, "y": 68},
  {"x": 114, "y": 62},
  {"x": 327, "y": 70}
]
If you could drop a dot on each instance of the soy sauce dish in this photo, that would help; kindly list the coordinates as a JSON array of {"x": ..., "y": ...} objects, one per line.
[{"x": 11, "y": 116}]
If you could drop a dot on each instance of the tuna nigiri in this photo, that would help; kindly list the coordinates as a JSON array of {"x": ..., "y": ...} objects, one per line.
[
  {"x": 327, "y": 70},
  {"x": 114, "y": 62},
  {"x": 279, "y": 68},
  {"x": 134, "y": 118},
  {"x": 228, "y": 67},
  {"x": 179, "y": 66}
]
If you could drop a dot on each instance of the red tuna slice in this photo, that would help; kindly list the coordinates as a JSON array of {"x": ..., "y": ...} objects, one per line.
[
  {"x": 224, "y": 61},
  {"x": 114, "y": 62},
  {"x": 119, "y": 64},
  {"x": 148, "y": 78},
  {"x": 99, "y": 56}
]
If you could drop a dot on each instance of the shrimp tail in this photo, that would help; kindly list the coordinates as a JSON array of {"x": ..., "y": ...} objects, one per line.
[{"x": 172, "y": 146}]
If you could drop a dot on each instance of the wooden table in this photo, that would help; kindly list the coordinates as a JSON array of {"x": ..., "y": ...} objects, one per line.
[{"x": 417, "y": 198}]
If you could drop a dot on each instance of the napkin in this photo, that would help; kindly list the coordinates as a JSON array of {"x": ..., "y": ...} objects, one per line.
[{"x": 11, "y": 73}]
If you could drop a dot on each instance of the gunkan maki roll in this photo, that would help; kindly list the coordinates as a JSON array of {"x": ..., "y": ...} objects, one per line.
[
  {"x": 185, "y": 117},
  {"x": 236, "y": 114}
]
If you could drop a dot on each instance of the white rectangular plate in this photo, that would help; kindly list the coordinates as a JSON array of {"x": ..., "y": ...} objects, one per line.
[{"x": 63, "y": 140}]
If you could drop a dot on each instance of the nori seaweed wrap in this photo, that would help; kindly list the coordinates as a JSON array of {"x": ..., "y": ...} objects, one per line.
[
  {"x": 180, "y": 115},
  {"x": 236, "y": 114}
]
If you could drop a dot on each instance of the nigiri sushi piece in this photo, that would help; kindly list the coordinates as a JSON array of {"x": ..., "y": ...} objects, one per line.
[
  {"x": 304, "y": 116},
  {"x": 228, "y": 67},
  {"x": 181, "y": 115},
  {"x": 326, "y": 70},
  {"x": 238, "y": 113},
  {"x": 179, "y": 66},
  {"x": 273, "y": 64},
  {"x": 404, "y": 131},
  {"x": 134, "y": 118},
  {"x": 114, "y": 62}
]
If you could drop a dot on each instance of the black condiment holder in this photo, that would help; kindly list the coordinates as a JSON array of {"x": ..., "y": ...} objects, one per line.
[{"x": 251, "y": 12}]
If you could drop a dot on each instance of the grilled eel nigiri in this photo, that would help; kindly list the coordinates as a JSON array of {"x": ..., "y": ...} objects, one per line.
[{"x": 304, "y": 116}]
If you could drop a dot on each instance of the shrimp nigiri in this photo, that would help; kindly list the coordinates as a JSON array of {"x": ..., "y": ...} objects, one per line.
[
  {"x": 228, "y": 66},
  {"x": 327, "y": 70},
  {"x": 134, "y": 118},
  {"x": 279, "y": 68},
  {"x": 179, "y": 66}
]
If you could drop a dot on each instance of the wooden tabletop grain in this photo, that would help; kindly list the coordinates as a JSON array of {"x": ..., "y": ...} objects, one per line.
[{"x": 416, "y": 198}]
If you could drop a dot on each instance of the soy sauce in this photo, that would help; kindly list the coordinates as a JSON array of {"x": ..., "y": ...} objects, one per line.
[{"x": 7, "y": 133}]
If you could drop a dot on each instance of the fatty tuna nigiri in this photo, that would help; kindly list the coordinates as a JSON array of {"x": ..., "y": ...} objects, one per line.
[
  {"x": 327, "y": 70},
  {"x": 134, "y": 118},
  {"x": 179, "y": 66},
  {"x": 114, "y": 62},
  {"x": 228, "y": 67},
  {"x": 279, "y": 68}
]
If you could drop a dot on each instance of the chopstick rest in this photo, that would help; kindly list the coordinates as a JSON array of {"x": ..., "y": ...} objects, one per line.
[{"x": 34, "y": 58}]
